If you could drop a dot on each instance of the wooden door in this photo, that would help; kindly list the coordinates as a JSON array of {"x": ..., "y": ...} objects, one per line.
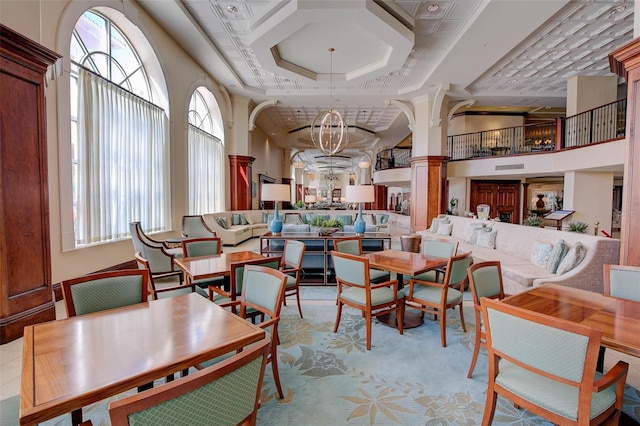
[{"x": 502, "y": 196}]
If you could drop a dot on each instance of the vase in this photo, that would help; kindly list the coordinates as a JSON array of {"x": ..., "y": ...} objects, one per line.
[{"x": 540, "y": 202}]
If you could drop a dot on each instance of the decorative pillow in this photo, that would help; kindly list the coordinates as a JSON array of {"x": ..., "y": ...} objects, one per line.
[
  {"x": 248, "y": 219},
  {"x": 572, "y": 259},
  {"x": 474, "y": 228},
  {"x": 264, "y": 218},
  {"x": 445, "y": 229},
  {"x": 235, "y": 219},
  {"x": 540, "y": 254},
  {"x": 555, "y": 257},
  {"x": 222, "y": 222},
  {"x": 435, "y": 224},
  {"x": 487, "y": 238},
  {"x": 243, "y": 220}
]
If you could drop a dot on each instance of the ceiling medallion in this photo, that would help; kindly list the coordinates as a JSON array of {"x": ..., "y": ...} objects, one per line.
[{"x": 329, "y": 133}]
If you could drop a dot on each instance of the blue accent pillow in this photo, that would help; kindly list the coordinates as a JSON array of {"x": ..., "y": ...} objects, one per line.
[
  {"x": 558, "y": 252},
  {"x": 243, "y": 220},
  {"x": 222, "y": 222},
  {"x": 235, "y": 219}
]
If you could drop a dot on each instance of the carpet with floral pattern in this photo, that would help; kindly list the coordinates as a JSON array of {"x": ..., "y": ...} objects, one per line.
[{"x": 330, "y": 378}]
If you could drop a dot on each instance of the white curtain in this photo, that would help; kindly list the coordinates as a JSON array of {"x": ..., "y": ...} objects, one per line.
[
  {"x": 123, "y": 162},
  {"x": 206, "y": 172}
]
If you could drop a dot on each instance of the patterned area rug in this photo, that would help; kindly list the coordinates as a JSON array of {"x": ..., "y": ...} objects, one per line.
[{"x": 330, "y": 378}]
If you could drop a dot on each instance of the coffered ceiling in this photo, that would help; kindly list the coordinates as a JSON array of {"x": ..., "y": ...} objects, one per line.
[{"x": 499, "y": 53}]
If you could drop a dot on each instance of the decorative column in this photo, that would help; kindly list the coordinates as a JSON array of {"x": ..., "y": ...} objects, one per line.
[
  {"x": 240, "y": 182},
  {"x": 428, "y": 190},
  {"x": 381, "y": 198},
  {"x": 626, "y": 63}
]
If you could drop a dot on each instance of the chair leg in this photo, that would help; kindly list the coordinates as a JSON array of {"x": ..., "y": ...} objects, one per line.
[
  {"x": 489, "y": 407},
  {"x": 443, "y": 330},
  {"x": 476, "y": 350},
  {"x": 298, "y": 300},
  {"x": 76, "y": 417},
  {"x": 274, "y": 367},
  {"x": 338, "y": 315},
  {"x": 368, "y": 326},
  {"x": 400, "y": 316},
  {"x": 464, "y": 328}
]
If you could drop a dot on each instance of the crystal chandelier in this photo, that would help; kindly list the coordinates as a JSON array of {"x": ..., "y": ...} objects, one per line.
[{"x": 329, "y": 133}]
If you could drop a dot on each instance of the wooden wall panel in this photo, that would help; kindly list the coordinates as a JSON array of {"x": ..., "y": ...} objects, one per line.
[
  {"x": 502, "y": 196},
  {"x": 240, "y": 171}
]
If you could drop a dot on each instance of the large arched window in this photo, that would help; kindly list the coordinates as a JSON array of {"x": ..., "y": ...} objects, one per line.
[
  {"x": 206, "y": 154},
  {"x": 120, "y": 144}
]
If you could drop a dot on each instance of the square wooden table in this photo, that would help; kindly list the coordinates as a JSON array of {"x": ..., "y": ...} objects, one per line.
[
  {"x": 71, "y": 363},
  {"x": 618, "y": 319},
  {"x": 404, "y": 263},
  {"x": 218, "y": 265}
]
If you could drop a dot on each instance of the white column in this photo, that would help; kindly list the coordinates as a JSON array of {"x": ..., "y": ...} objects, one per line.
[{"x": 590, "y": 194}]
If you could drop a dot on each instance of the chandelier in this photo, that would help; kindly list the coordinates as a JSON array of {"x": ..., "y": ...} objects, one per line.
[{"x": 329, "y": 133}]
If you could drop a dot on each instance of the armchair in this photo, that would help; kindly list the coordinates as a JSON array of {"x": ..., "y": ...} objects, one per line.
[
  {"x": 159, "y": 256},
  {"x": 436, "y": 248},
  {"x": 355, "y": 289},
  {"x": 158, "y": 292},
  {"x": 194, "y": 226},
  {"x": 193, "y": 247},
  {"x": 436, "y": 297},
  {"x": 353, "y": 245},
  {"x": 622, "y": 281},
  {"x": 291, "y": 266},
  {"x": 548, "y": 366}
]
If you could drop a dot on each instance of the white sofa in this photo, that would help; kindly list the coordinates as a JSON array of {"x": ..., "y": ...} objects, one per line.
[{"x": 514, "y": 245}]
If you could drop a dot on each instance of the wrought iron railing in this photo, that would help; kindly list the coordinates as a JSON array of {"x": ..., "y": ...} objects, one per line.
[
  {"x": 393, "y": 158},
  {"x": 600, "y": 124}
]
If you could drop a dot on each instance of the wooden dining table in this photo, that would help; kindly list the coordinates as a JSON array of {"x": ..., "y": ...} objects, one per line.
[
  {"x": 618, "y": 319},
  {"x": 403, "y": 263},
  {"x": 71, "y": 363},
  {"x": 217, "y": 265}
]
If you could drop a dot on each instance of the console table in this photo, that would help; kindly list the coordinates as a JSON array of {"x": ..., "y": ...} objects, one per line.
[{"x": 317, "y": 258}]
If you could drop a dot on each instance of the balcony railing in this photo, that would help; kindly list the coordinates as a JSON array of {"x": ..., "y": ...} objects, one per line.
[
  {"x": 393, "y": 158},
  {"x": 600, "y": 124}
]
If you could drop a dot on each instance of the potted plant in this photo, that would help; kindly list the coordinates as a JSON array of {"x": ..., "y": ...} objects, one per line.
[
  {"x": 326, "y": 227},
  {"x": 580, "y": 227},
  {"x": 453, "y": 206},
  {"x": 533, "y": 221}
]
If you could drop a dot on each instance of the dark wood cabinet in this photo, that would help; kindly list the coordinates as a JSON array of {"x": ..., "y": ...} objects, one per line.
[
  {"x": 25, "y": 260},
  {"x": 502, "y": 196}
]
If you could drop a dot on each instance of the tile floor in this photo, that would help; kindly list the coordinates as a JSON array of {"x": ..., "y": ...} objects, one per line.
[{"x": 11, "y": 353}]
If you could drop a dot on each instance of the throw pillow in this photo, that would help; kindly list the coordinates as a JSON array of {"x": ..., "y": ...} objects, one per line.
[
  {"x": 474, "y": 228},
  {"x": 555, "y": 257},
  {"x": 243, "y": 220},
  {"x": 435, "y": 224},
  {"x": 572, "y": 259},
  {"x": 487, "y": 238},
  {"x": 264, "y": 218},
  {"x": 445, "y": 229},
  {"x": 222, "y": 222},
  {"x": 235, "y": 219},
  {"x": 249, "y": 219},
  {"x": 540, "y": 254}
]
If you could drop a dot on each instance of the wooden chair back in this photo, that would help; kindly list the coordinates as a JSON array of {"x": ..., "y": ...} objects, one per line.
[
  {"x": 194, "y": 226},
  {"x": 439, "y": 248},
  {"x": 622, "y": 281},
  {"x": 349, "y": 245},
  {"x": 194, "y": 247}
]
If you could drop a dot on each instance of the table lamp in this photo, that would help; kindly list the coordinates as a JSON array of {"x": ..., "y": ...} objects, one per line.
[
  {"x": 275, "y": 192},
  {"x": 360, "y": 194},
  {"x": 310, "y": 199}
]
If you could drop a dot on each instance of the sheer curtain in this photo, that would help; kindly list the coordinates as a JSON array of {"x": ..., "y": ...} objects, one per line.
[
  {"x": 206, "y": 174},
  {"x": 123, "y": 162}
]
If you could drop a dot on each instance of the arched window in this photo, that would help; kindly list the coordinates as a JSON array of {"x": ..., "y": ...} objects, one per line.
[
  {"x": 205, "y": 154},
  {"x": 120, "y": 143}
]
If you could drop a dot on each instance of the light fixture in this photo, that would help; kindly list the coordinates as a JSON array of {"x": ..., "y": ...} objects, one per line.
[
  {"x": 329, "y": 133},
  {"x": 360, "y": 194},
  {"x": 364, "y": 164},
  {"x": 275, "y": 192},
  {"x": 232, "y": 9},
  {"x": 433, "y": 7},
  {"x": 310, "y": 199}
]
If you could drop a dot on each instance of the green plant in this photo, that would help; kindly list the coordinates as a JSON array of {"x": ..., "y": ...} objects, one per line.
[
  {"x": 331, "y": 223},
  {"x": 580, "y": 227},
  {"x": 299, "y": 204},
  {"x": 532, "y": 221}
]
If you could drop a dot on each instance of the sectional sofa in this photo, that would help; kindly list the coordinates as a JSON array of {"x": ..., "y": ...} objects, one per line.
[
  {"x": 235, "y": 227},
  {"x": 521, "y": 250}
]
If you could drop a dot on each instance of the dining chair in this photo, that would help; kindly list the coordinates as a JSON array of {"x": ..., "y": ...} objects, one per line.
[
  {"x": 356, "y": 290},
  {"x": 622, "y": 281},
  {"x": 353, "y": 245},
  {"x": 263, "y": 292},
  {"x": 194, "y": 226},
  {"x": 291, "y": 266},
  {"x": 547, "y": 366},
  {"x": 485, "y": 280},
  {"x": 206, "y": 246},
  {"x": 227, "y": 393},
  {"x": 160, "y": 257},
  {"x": 104, "y": 290},
  {"x": 161, "y": 292},
  {"x": 436, "y": 248},
  {"x": 436, "y": 297}
]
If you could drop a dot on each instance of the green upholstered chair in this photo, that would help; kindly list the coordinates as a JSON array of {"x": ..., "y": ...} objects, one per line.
[
  {"x": 622, "y": 281},
  {"x": 485, "y": 280},
  {"x": 105, "y": 290},
  {"x": 227, "y": 393},
  {"x": 547, "y": 366},
  {"x": 292, "y": 266},
  {"x": 356, "y": 290},
  {"x": 263, "y": 292},
  {"x": 160, "y": 257},
  {"x": 194, "y": 226},
  {"x": 436, "y": 248},
  {"x": 436, "y": 297},
  {"x": 194, "y": 247},
  {"x": 161, "y": 292},
  {"x": 353, "y": 245}
]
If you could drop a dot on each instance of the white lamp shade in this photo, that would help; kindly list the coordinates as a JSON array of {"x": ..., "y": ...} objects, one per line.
[
  {"x": 310, "y": 198},
  {"x": 276, "y": 192},
  {"x": 360, "y": 194}
]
